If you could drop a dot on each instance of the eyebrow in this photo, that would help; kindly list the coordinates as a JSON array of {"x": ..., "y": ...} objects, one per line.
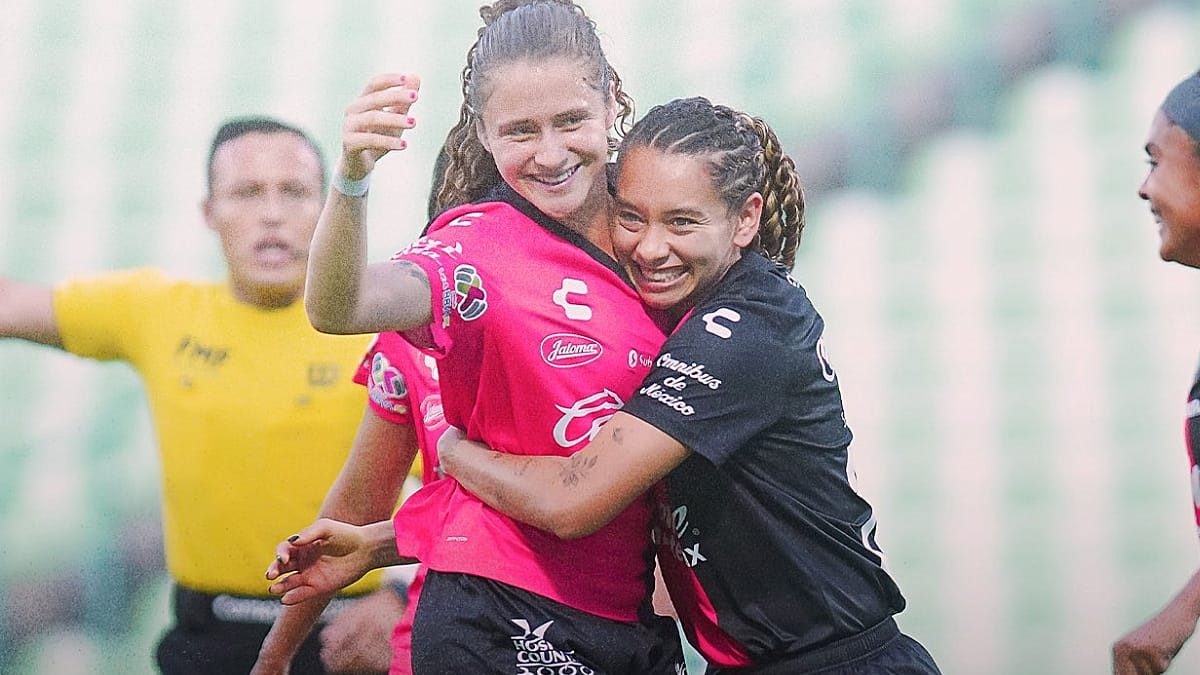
[{"x": 565, "y": 116}]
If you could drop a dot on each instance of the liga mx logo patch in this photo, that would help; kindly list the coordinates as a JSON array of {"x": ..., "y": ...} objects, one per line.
[{"x": 469, "y": 293}]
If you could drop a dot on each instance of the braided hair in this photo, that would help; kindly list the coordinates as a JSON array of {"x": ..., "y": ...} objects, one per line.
[
  {"x": 745, "y": 157},
  {"x": 515, "y": 30}
]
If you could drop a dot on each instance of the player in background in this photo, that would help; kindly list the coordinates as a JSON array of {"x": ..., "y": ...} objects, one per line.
[
  {"x": 1172, "y": 187},
  {"x": 239, "y": 385}
]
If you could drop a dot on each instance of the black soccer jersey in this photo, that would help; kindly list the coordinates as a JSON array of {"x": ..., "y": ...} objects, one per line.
[
  {"x": 1192, "y": 429},
  {"x": 767, "y": 549}
]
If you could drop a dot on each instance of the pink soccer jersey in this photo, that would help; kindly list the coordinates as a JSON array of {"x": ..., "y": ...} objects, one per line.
[
  {"x": 541, "y": 341},
  {"x": 402, "y": 388}
]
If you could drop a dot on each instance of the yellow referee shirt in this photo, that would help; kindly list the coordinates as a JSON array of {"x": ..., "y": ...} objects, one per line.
[{"x": 254, "y": 410}]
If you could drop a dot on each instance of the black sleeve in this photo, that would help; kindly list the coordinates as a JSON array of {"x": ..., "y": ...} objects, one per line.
[{"x": 722, "y": 378}]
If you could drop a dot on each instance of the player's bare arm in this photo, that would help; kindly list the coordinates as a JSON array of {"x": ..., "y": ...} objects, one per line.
[
  {"x": 569, "y": 496},
  {"x": 27, "y": 312},
  {"x": 343, "y": 293}
]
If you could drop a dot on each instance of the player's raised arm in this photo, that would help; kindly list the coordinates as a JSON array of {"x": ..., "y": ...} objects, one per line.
[{"x": 343, "y": 293}]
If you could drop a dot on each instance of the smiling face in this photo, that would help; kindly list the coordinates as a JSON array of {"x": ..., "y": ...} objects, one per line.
[
  {"x": 674, "y": 234},
  {"x": 547, "y": 129},
  {"x": 264, "y": 203},
  {"x": 1172, "y": 186}
]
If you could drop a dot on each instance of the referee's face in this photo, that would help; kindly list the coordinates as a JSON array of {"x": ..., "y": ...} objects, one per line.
[
  {"x": 265, "y": 201},
  {"x": 674, "y": 234}
]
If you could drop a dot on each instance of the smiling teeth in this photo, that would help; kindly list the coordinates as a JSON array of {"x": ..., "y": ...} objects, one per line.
[
  {"x": 661, "y": 276},
  {"x": 559, "y": 179}
]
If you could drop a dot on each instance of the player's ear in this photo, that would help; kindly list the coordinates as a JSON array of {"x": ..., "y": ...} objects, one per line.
[
  {"x": 747, "y": 220},
  {"x": 206, "y": 209}
]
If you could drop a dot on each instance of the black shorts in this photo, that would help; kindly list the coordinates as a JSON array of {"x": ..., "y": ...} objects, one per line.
[
  {"x": 879, "y": 650},
  {"x": 468, "y": 624},
  {"x": 223, "y": 633}
]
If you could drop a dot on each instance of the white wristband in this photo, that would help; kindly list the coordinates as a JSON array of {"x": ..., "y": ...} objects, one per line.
[{"x": 351, "y": 188}]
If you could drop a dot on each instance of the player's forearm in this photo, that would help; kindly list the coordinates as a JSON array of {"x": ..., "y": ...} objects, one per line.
[
  {"x": 288, "y": 632},
  {"x": 1187, "y": 601},
  {"x": 27, "y": 313},
  {"x": 369, "y": 485},
  {"x": 337, "y": 264},
  {"x": 380, "y": 544},
  {"x": 527, "y": 488}
]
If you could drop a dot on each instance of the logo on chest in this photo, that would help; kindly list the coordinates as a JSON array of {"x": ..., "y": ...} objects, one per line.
[
  {"x": 568, "y": 350},
  {"x": 581, "y": 421},
  {"x": 192, "y": 353},
  {"x": 570, "y": 297}
]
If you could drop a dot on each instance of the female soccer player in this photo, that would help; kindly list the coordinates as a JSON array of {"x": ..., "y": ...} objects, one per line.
[
  {"x": 540, "y": 335},
  {"x": 766, "y": 548}
]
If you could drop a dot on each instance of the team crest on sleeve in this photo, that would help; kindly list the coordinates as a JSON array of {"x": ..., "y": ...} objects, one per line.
[
  {"x": 388, "y": 388},
  {"x": 470, "y": 296}
]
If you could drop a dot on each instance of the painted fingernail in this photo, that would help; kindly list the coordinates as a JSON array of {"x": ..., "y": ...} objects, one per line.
[
  {"x": 403, "y": 144},
  {"x": 412, "y": 95},
  {"x": 412, "y": 121},
  {"x": 292, "y": 538}
]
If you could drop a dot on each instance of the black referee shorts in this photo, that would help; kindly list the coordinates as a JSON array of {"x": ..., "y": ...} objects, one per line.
[
  {"x": 221, "y": 634},
  {"x": 468, "y": 624}
]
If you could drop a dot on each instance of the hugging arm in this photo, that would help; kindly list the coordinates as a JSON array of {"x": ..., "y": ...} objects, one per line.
[{"x": 569, "y": 496}]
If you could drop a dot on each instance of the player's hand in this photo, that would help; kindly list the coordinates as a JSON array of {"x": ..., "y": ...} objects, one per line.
[
  {"x": 1149, "y": 648},
  {"x": 358, "y": 640},
  {"x": 375, "y": 122},
  {"x": 322, "y": 558},
  {"x": 447, "y": 444}
]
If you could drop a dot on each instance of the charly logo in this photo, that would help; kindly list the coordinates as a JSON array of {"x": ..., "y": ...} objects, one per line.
[
  {"x": 470, "y": 297},
  {"x": 583, "y": 419},
  {"x": 568, "y": 350},
  {"x": 537, "y": 656},
  {"x": 719, "y": 329},
  {"x": 574, "y": 310},
  {"x": 1196, "y": 486},
  {"x": 827, "y": 371},
  {"x": 465, "y": 219}
]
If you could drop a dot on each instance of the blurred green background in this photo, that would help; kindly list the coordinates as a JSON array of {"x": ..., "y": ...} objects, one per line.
[{"x": 1014, "y": 357}]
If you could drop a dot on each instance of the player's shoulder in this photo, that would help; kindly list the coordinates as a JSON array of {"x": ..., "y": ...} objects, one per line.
[
  {"x": 462, "y": 221},
  {"x": 756, "y": 307},
  {"x": 143, "y": 282}
]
